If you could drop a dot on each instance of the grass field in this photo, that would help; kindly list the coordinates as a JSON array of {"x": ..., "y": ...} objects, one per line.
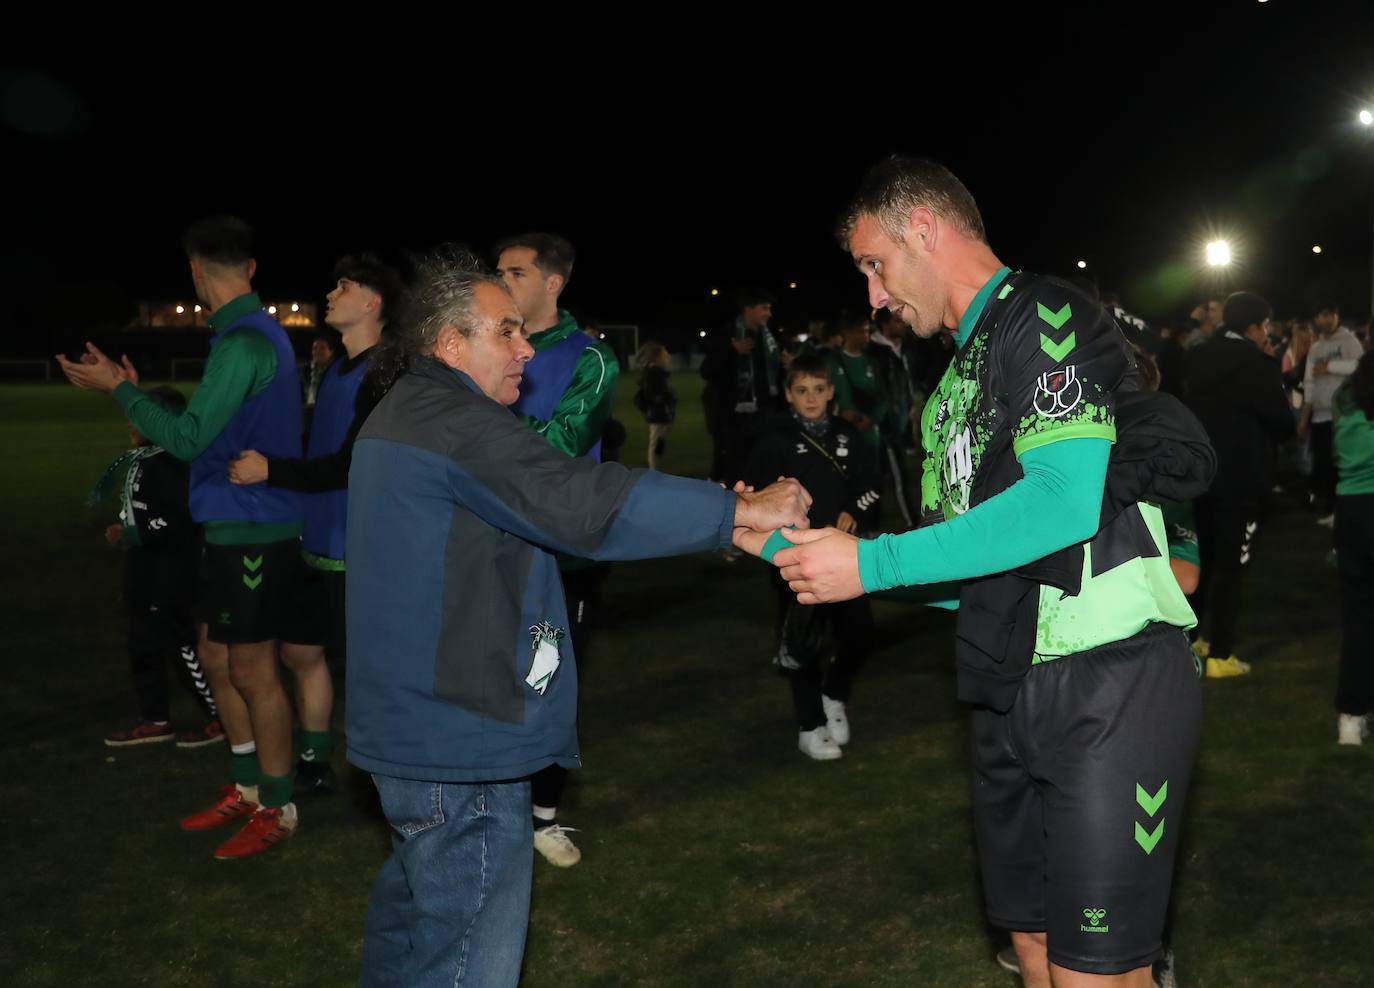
[{"x": 714, "y": 854}]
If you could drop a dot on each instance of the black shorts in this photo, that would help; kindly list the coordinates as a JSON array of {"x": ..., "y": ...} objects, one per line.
[
  {"x": 315, "y": 611},
  {"x": 244, "y": 590},
  {"x": 1078, "y": 797}
]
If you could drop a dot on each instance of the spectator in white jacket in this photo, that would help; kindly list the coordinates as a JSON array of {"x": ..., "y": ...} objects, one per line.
[{"x": 1332, "y": 359}]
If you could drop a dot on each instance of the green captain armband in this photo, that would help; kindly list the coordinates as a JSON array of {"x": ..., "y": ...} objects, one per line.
[{"x": 775, "y": 544}]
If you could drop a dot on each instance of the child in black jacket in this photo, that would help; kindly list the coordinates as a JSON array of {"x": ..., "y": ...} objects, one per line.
[
  {"x": 160, "y": 544},
  {"x": 828, "y": 456}
]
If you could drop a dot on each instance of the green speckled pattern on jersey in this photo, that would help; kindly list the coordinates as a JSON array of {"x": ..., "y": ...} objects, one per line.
[{"x": 1038, "y": 362}]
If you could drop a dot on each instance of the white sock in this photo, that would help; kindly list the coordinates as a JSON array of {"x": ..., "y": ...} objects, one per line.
[
  {"x": 247, "y": 748},
  {"x": 545, "y": 813},
  {"x": 289, "y": 816},
  {"x": 249, "y": 793}
]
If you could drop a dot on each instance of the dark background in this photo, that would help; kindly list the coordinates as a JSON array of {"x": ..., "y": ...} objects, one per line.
[{"x": 1123, "y": 135}]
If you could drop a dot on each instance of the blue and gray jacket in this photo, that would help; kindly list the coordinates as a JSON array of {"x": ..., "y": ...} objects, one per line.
[{"x": 455, "y": 510}]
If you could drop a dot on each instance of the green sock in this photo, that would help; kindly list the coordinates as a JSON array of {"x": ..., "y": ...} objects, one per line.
[
  {"x": 317, "y": 746},
  {"x": 244, "y": 769},
  {"x": 275, "y": 790}
]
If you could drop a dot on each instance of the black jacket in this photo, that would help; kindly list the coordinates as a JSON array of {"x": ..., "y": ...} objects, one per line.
[
  {"x": 1161, "y": 455},
  {"x": 1236, "y": 391},
  {"x": 163, "y": 542},
  {"x": 836, "y": 471}
]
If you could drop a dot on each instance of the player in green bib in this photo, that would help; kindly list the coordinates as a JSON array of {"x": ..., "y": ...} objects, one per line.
[{"x": 1071, "y": 643}]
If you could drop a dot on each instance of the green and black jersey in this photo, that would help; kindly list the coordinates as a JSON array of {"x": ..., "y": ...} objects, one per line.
[{"x": 1039, "y": 362}]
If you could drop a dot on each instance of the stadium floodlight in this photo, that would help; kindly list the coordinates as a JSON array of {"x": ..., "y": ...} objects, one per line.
[
  {"x": 1082, "y": 264},
  {"x": 715, "y": 292},
  {"x": 181, "y": 309},
  {"x": 1316, "y": 248},
  {"x": 791, "y": 284},
  {"x": 295, "y": 307},
  {"x": 1218, "y": 254},
  {"x": 1367, "y": 118}
]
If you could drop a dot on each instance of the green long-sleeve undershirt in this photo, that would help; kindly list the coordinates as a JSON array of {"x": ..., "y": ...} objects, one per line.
[
  {"x": 1057, "y": 503},
  {"x": 241, "y": 364}
]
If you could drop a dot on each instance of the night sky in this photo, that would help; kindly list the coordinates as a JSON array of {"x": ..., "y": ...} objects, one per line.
[{"x": 1124, "y": 144}]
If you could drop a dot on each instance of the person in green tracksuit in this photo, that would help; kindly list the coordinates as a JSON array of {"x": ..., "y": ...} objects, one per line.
[
  {"x": 1067, "y": 624},
  {"x": 566, "y": 395},
  {"x": 1353, "y": 414},
  {"x": 860, "y": 394}
]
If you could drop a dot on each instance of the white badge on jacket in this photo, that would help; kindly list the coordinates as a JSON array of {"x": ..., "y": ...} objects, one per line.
[{"x": 544, "y": 641}]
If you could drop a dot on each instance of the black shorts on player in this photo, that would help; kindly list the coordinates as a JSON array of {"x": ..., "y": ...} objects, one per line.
[
  {"x": 1078, "y": 798},
  {"x": 315, "y": 609},
  {"x": 244, "y": 590}
]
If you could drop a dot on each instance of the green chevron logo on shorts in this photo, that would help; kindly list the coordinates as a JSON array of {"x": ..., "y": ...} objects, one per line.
[
  {"x": 1055, "y": 319},
  {"x": 1094, "y": 918},
  {"x": 1147, "y": 841},
  {"x": 1058, "y": 351},
  {"x": 252, "y": 565},
  {"x": 1151, "y": 804},
  {"x": 1006, "y": 290},
  {"x": 252, "y": 584}
]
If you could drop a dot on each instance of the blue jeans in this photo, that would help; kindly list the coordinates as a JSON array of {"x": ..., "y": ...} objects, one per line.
[{"x": 451, "y": 905}]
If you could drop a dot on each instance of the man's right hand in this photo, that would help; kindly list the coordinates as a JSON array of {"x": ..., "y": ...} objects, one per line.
[
  {"x": 779, "y": 505},
  {"x": 114, "y": 533},
  {"x": 250, "y": 468}
]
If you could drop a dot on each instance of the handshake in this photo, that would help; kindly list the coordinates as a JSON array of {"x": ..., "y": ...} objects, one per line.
[{"x": 821, "y": 566}]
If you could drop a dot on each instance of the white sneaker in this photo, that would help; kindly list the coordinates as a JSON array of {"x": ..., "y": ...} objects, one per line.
[
  {"x": 1351, "y": 728},
  {"x": 818, "y": 744},
  {"x": 558, "y": 849},
  {"x": 835, "y": 720}
]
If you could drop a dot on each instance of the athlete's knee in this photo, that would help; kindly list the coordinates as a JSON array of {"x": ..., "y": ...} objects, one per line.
[
  {"x": 1030, "y": 941},
  {"x": 302, "y": 659},
  {"x": 214, "y": 658},
  {"x": 253, "y": 670}
]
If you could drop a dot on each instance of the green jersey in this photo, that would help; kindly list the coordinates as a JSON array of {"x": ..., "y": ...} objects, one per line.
[
  {"x": 1038, "y": 362},
  {"x": 1354, "y": 436}
]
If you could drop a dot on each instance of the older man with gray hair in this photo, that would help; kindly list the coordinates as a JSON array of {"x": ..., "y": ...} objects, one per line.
[{"x": 461, "y": 679}]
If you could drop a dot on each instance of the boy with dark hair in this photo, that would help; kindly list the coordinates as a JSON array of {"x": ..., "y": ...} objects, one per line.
[
  {"x": 159, "y": 542},
  {"x": 365, "y": 293},
  {"x": 826, "y": 454}
]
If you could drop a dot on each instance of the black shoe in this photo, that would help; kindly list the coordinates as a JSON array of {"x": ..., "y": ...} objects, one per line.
[{"x": 314, "y": 778}]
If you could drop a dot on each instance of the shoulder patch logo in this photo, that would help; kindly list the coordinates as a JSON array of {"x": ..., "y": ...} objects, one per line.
[{"x": 1058, "y": 392}]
